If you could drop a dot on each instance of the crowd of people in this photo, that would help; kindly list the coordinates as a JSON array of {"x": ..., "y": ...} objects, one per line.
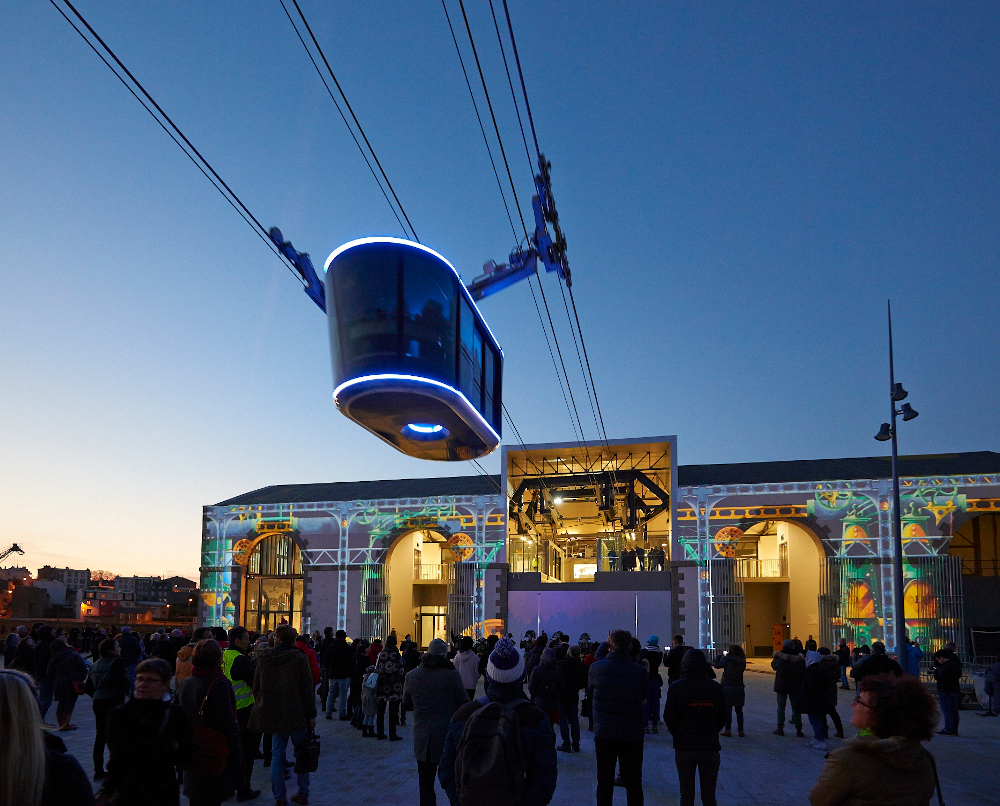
[{"x": 190, "y": 714}]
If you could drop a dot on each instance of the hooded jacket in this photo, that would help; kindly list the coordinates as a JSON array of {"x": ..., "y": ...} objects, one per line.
[
  {"x": 948, "y": 672},
  {"x": 338, "y": 660},
  {"x": 733, "y": 687},
  {"x": 868, "y": 770},
  {"x": 467, "y": 663},
  {"x": 696, "y": 709},
  {"x": 789, "y": 671},
  {"x": 283, "y": 693},
  {"x": 816, "y": 683}
]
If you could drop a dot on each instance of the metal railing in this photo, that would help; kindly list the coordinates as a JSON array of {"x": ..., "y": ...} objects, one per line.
[
  {"x": 752, "y": 568},
  {"x": 433, "y": 572}
]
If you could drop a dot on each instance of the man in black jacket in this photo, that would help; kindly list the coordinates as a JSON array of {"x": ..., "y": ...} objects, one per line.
[
  {"x": 948, "y": 673},
  {"x": 694, "y": 714},
  {"x": 653, "y": 655},
  {"x": 339, "y": 664},
  {"x": 672, "y": 660},
  {"x": 618, "y": 690},
  {"x": 876, "y": 663},
  {"x": 789, "y": 678}
]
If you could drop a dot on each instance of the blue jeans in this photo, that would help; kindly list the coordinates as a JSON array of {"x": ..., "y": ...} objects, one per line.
[
  {"x": 818, "y": 722},
  {"x": 949, "y": 707},
  {"x": 569, "y": 723},
  {"x": 843, "y": 678},
  {"x": 341, "y": 686},
  {"x": 45, "y": 688},
  {"x": 279, "y": 741}
]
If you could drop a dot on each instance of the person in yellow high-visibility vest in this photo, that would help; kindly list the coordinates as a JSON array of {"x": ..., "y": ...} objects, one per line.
[{"x": 236, "y": 665}]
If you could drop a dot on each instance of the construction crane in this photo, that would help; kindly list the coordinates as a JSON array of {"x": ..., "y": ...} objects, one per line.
[{"x": 5, "y": 554}]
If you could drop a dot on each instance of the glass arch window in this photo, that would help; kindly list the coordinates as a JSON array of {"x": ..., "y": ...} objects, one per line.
[{"x": 273, "y": 586}]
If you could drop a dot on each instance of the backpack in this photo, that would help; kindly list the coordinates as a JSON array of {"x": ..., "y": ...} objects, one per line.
[
  {"x": 371, "y": 681},
  {"x": 489, "y": 763}
]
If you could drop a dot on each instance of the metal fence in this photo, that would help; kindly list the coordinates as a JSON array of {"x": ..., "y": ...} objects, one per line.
[
  {"x": 462, "y": 600},
  {"x": 374, "y": 602},
  {"x": 726, "y": 602}
]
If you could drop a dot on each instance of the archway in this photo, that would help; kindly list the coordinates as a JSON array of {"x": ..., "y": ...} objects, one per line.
[
  {"x": 273, "y": 584},
  {"x": 419, "y": 568},
  {"x": 778, "y": 562}
]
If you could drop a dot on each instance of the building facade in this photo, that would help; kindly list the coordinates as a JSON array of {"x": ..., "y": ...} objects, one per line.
[{"x": 585, "y": 537}]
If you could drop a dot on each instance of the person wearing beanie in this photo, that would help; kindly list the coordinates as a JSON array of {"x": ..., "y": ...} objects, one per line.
[
  {"x": 694, "y": 713},
  {"x": 618, "y": 688},
  {"x": 433, "y": 692},
  {"x": 504, "y": 681},
  {"x": 653, "y": 655}
]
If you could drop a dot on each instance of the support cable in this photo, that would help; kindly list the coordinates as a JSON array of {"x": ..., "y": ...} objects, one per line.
[
  {"x": 354, "y": 117},
  {"x": 513, "y": 95},
  {"x": 203, "y": 164},
  {"x": 496, "y": 128},
  {"x": 517, "y": 60},
  {"x": 482, "y": 128},
  {"x": 343, "y": 117}
]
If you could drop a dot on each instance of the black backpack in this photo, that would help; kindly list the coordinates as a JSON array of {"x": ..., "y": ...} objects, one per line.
[{"x": 489, "y": 761}]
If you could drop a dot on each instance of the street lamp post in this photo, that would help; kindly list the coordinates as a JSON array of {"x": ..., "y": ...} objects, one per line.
[{"x": 888, "y": 432}]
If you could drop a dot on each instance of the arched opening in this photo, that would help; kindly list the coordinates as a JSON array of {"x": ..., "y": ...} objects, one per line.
[
  {"x": 779, "y": 565},
  {"x": 419, "y": 568},
  {"x": 977, "y": 542},
  {"x": 273, "y": 585}
]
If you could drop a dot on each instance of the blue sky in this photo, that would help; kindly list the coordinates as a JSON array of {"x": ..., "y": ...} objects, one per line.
[{"x": 742, "y": 186}]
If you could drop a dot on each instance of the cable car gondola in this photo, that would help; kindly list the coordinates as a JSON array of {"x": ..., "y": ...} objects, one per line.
[{"x": 413, "y": 359}]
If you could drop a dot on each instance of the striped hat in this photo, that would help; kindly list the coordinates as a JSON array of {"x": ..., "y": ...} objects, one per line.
[{"x": 506, "y": 664}]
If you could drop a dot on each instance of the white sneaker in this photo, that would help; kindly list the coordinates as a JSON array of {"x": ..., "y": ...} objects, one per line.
[{"x": 818, "y": 745}]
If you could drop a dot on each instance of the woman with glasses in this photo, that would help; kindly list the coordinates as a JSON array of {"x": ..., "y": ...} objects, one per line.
[{"x": 886, "y": 764}]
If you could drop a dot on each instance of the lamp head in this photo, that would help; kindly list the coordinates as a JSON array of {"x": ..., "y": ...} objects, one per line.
[
  {"x": 898, "y": 392},
  {"x": 908, "y": 411},
  {"x": 884, "y": 433}
]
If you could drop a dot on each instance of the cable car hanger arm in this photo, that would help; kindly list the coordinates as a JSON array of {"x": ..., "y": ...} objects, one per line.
[
  {"x": 522, "y": 263},
  {"x": 303, "y": 265}
]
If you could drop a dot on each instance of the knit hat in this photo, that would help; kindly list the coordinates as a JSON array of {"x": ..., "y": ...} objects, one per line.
[
  {"x": 437, "y": 647},
  {"x": 654, "y": 640},
  {"x": 506, "y": 664}
]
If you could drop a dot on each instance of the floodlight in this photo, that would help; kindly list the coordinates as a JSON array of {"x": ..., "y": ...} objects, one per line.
[
  {"x": 898, "y": 392},
  {"x": 908, "y": 412},
  {"x": 885, "y": 432}
]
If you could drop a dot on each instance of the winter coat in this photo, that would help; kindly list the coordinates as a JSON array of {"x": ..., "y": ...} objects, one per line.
[
  {"x": 914, "y": 654},
  {"x": 843, "y": 655},
  {"x": 283, "y": 692},
  {"x": 789, "y": 673},
  {"x": 467, "y": 663},
  {"x": 110, "y": 681},
  {"x": 876, "y": 663},
  {"x": 532, "y": 659},
  {"x": 220, "y": 714},
  {"x": 654, "y": 656},
  {"x": 948, "y": 673},
  {"x": 43, "y": 653},
  {"x": 368, "y": 705},
  {"x": 358, "y": 674},
  {"x": 144, "y": 751},
  {"x": 337, "y": 659},
  {"x": 66, "y": 784},
  {"x": 696, "y": 709},
  {"x": 832, "y": 668},
  {"x": 313, "y": 660},
  {"x": 733, "y": 687},
  {"x": 617, "y": 688},
  {"x": 546, "y": 686},
  {"x": 390, "y": 676},
  {"x": 868, "y": 770},
  {"x": 672, "y": 660},
  {"x": 815, "y": 684},
  {"x": 433, "y": 691},
  {"x": 538, "y": 746},
  {"x": 411, "y": 658},
  {"x": 575, "y": 677},
  {"x": 66, "y": 667}
]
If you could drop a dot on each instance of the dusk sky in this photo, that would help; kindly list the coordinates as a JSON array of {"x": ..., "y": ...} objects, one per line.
[{"x": 742, "y": 187}]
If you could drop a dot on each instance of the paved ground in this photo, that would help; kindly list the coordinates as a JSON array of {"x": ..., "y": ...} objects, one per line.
[{"x": 758, "y": 770}]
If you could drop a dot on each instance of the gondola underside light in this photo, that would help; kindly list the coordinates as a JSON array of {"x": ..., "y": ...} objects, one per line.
[{"x": 413, "y": 360}]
